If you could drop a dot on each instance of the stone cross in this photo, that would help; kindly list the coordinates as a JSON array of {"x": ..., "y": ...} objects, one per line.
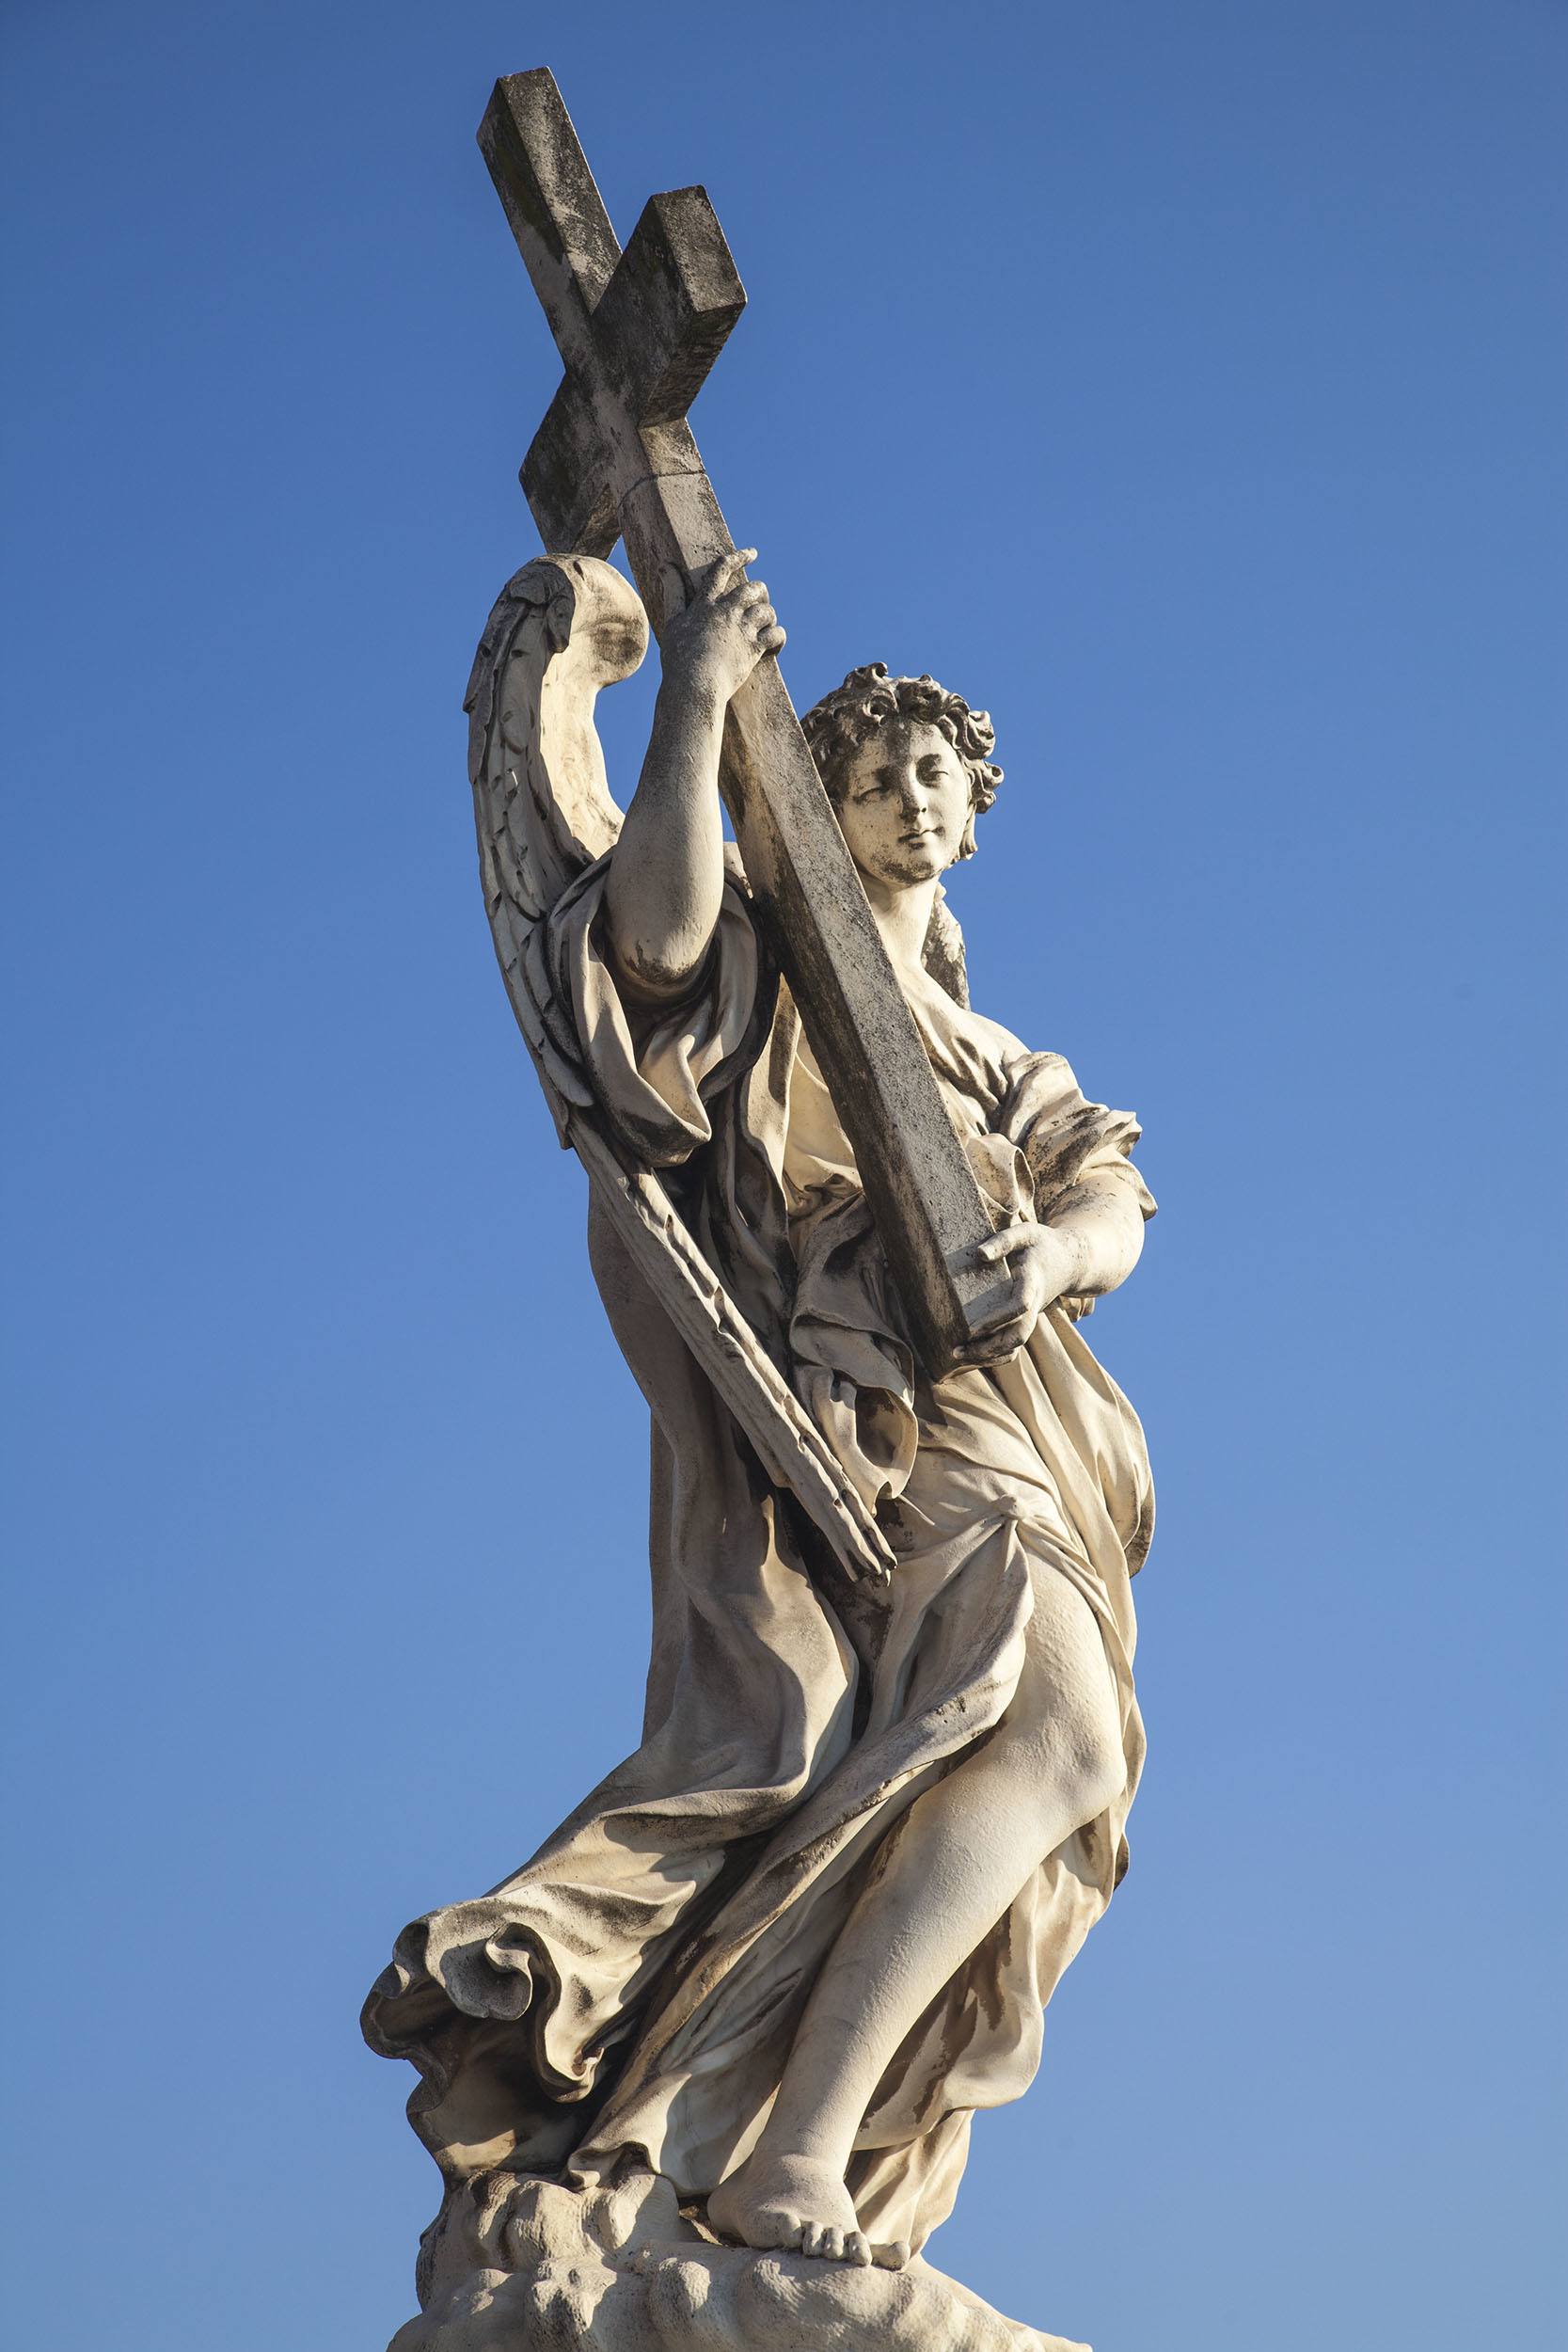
[{"x": 615, "y": 459}]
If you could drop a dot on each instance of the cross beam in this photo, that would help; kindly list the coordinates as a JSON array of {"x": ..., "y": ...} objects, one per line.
[{"x": 615, "y": 459}]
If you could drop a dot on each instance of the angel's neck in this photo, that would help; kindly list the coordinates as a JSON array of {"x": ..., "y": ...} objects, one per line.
[{"x": 903, "y": 915}]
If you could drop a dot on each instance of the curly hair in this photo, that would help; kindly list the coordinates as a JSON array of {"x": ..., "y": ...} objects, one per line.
[{"x": 837, "y": 727}]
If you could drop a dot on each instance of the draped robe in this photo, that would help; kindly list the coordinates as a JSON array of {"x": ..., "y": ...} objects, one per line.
[{"x": 632, "y": 1992}]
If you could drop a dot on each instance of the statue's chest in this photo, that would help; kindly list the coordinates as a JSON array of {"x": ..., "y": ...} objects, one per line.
[{"x": 970, "y": 1076}]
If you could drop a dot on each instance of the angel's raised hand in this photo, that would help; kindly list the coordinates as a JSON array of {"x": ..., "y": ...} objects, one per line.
[{"x": 728, "y": 626}]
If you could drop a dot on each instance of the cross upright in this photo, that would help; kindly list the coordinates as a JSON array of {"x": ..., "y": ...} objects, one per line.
[{"x": 614, "y": 459}]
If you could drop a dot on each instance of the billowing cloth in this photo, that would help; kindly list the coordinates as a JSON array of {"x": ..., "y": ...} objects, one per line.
[{"x": 633, "y": 1990}]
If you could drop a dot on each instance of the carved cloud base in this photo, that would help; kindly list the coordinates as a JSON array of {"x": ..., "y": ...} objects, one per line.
[{"x": 526, "y": 2265}]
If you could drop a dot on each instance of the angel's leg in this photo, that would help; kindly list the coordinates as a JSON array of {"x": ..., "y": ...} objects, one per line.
[{"x": 945, "y": 1875}]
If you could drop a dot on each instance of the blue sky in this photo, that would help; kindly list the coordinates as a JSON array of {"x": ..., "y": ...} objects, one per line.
[{"x": 1185, "y": 385}]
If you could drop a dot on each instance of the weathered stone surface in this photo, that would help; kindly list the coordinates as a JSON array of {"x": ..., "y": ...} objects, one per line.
[
  {"x": 597, "y": 2270},
  {"x": 721, "y": 2299}
]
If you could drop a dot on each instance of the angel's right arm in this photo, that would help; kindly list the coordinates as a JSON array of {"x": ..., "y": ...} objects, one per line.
[{"x": 666, "y": 878}]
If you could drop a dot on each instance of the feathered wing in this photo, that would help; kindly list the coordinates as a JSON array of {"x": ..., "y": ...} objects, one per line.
[
  {"x": 559, "y": 629},
  {"x": 563, "y": 627}
]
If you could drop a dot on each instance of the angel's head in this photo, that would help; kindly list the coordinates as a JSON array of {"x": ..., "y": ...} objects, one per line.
[{"x": 905, "y": 765}]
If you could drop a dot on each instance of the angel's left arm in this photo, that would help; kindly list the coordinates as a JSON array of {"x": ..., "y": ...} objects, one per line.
[
  {"x": 1087, "y": 1239},
  {"x": 1100, "y": 1221}
]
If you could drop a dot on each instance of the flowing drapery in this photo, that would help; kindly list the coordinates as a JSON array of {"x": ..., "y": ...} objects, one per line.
[{"x": 634, "y": 1989}]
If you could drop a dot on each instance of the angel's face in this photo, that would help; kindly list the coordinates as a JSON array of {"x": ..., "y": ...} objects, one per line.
[{"x": 903, "y": 802}]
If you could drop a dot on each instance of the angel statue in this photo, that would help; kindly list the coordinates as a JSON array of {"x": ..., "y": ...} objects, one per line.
[{"x": 772, "y": 1964}]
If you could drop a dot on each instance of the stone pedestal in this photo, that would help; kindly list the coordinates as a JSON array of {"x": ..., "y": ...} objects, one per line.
[{"x": 526, "y": 2265}]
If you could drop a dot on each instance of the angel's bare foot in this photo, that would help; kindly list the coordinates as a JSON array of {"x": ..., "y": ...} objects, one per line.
[{"x": 790, "y": 2202}]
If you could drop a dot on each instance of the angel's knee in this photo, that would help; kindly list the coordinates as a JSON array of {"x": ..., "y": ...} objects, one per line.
[
  {"x": 1090, "y": 1765},
  {"x": 1062, "y": 1738},
  {"x": 1053, "y": 1778}
]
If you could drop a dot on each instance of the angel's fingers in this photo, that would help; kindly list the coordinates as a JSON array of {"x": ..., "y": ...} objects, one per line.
[
  {"x": 1004, "y": 1340},
  {"x": 1014, "y": 1308},
  {"x": 762, "y": 616},
  {"x": 1006, "y": 1243},
  {"x": 725, "y": 572},
  {"x": 743, "y": 596},
  {"x": 1013, "y": 1302},
  {"x": 772, "y": 641}
]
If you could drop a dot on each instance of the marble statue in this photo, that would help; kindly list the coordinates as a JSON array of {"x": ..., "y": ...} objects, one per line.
[{"x": 702, "y": 2071}]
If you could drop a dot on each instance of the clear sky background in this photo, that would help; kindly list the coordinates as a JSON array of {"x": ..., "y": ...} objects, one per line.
[{"x": 1185, "y": 383}]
